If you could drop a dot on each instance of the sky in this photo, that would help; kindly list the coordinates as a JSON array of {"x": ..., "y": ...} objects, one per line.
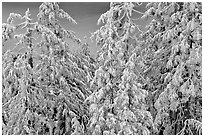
[{"x": 86, "y": 14}]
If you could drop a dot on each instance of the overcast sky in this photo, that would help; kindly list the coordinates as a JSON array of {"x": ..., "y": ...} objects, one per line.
[{"x": 86, "y": 15}]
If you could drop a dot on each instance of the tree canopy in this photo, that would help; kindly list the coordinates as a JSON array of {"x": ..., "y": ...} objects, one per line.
[{"x": 140, "y": 83}]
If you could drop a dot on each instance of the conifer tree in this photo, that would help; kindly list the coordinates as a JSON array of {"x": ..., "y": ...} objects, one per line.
[
  {"x": 45, "y": 91},
  {"x": 172, "y": 58},
  {"x": 117, "y": 104}
]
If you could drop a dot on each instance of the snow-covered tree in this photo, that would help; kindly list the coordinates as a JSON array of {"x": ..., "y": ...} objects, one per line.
[
  {"x": 45, "y": 87},
  {"x": 117, "y": 104},
  {"x": 172, "y": 58}
]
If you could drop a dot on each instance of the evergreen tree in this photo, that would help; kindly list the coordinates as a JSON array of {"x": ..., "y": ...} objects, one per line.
[
  {"x": 117, "y": 104},
  {"x": 44, "y": 92},
  {"x": 172, "y": 58}
]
